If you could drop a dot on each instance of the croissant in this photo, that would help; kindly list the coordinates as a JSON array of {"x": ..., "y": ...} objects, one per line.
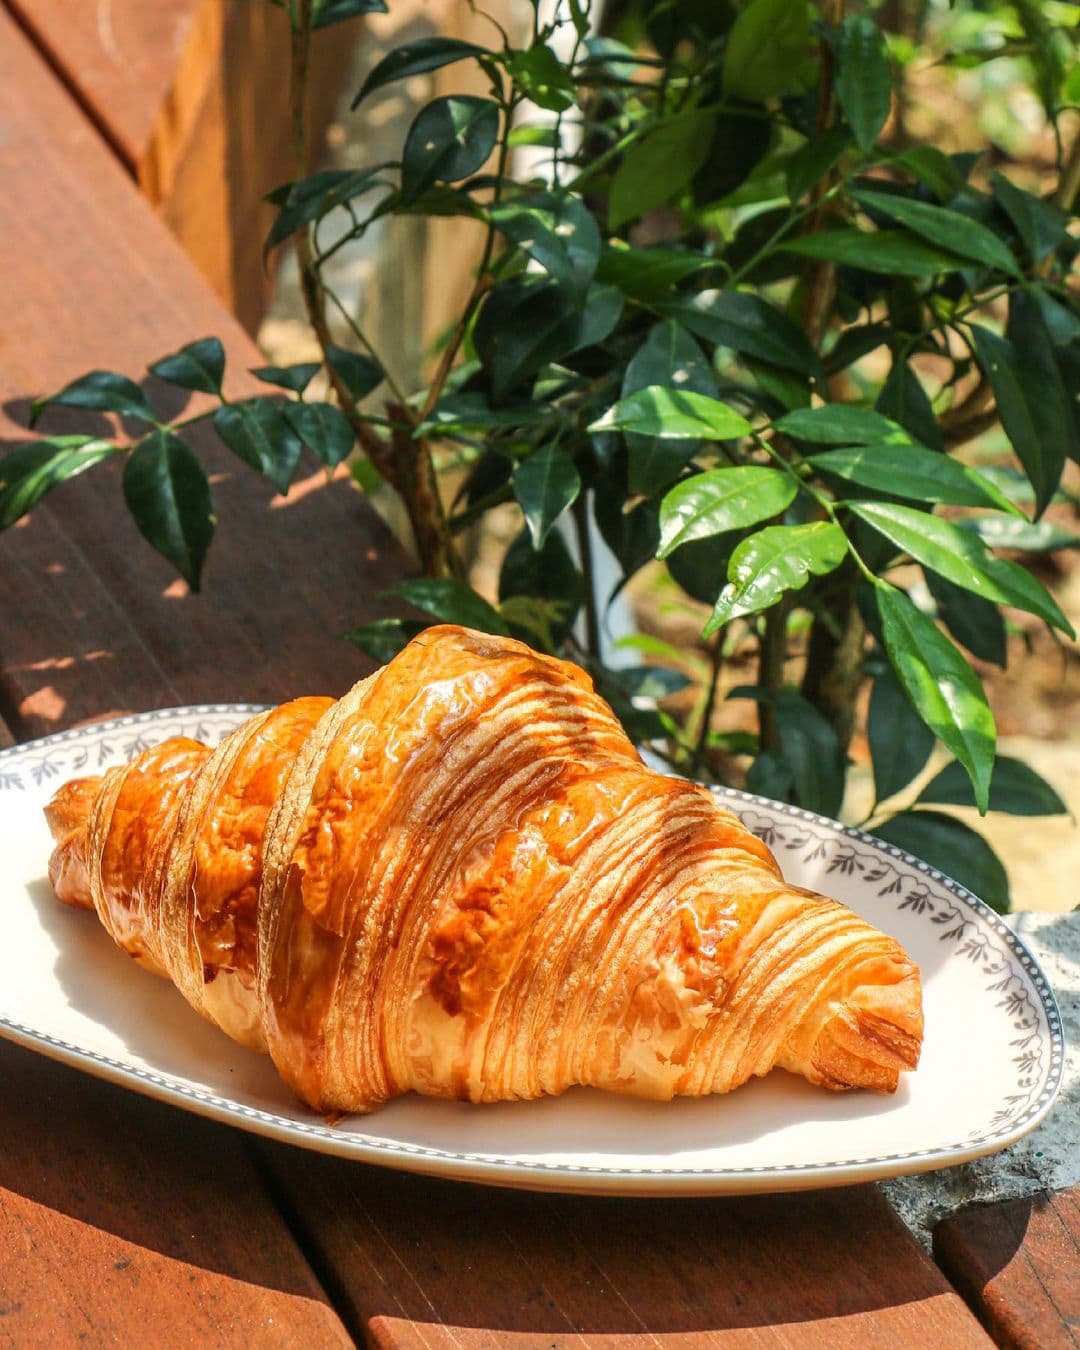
[{"x": 460, "y": 879}]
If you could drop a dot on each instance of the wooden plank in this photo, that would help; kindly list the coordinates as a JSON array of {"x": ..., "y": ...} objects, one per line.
[
  {"x": 189, "y": 93},
  {"x": 93, "y": 621},
  {"x": 417, "y": 1262},
  {"x": 1018, "y": 1266},
  {"x": 123, "y": 1223}
]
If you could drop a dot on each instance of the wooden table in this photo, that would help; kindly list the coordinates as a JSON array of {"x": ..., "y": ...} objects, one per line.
[{"x": 123, "y": 1221}]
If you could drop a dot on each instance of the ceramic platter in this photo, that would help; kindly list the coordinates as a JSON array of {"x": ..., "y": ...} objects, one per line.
[{"x": 991, "y": 1065}]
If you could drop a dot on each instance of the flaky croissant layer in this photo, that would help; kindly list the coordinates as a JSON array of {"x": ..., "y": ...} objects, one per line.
[{"x": 460, "y": 879}]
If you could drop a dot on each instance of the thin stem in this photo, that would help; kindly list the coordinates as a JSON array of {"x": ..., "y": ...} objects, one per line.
[
  {"x": 592, "y": 617},
  {"x": 362, "y": 338},
  {"x": 771, "y": 654},
  {"x": 702, "y": 741}
]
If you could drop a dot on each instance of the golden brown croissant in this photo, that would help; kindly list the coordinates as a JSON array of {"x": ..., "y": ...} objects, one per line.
[{"x": 460, "y": 879}]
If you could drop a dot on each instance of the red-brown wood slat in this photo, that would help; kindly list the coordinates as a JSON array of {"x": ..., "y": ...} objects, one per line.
[
  {"x": 123, "y": 1222},
  {"x": 417, "y": 1262},
  {"x": 1017, "y": 1264},
  {"x": 93, "y": 621}
]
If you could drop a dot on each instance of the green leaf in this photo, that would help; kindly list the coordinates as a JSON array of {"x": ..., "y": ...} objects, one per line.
[
  {"x": 651, "y": 681},
  {"x": 808, "y": 745},
  {"x": 770, "y": 776},
  {"x": 416, "y": 58},
  {"x": 812, "y": 162},
  {"x": 555, "y": 229},
  {"x": 894, "y": 252},
  {"x": 863, "y": 81},
  {"x": 449, "y": 139},
  {"x": 739, "y": 142},
  {"x": 842, "y": 424},
  {"x": 701, "y": 566},
  {"x": 542, "y": 77},
  {"x": 943, "y": 688},
  {"x": 772, "y": 561},
  {"x": 359, "y": 374},
  {"x": 30, "y": 471},
  {"x": 911, "y": 471},
  {"x": 383, "y": 638},
  {"x": 900, "y": 741},
  {"x": 326, "y": 12},
  {"x": 1040, "y": 225},
  {"x": 323, "y": 428},
  {"x": 168, "y": 494},
  {"x": 294, "y": 378},
  {"x": 958, "y": 234},
  {"x": 975, "y": 623},
  {"x": 548, "y": 578},
  {"x": 766, "y": 48},
  {"x": 631, "y": 535},
  {"x": 904, "y": 400},
  {"x": 1023, "y": 400},
  {"x": 954, "y": 849},
  {"x": 854, "y": 343},
  {"x": 312, "y": 198},
  {"x": 1050, "y": 372},
  {"x": 1015, "y": 788},
  {"x": 722, "y": 500},
  {"x": 658, "y": 166},
  {"x": 673, "y": 415},
  {"x": 200, "y": 365},
  {"x": 670, "y": 357},
  {"x": 933, "y": 167},
  {"x": 748, "y": 325},
  {"x": 259, "y": 433},
  {"x": 962, "y": 558},
  {"x": 102, "y": 390},
  {"x": 471, "y": 411},
  {"x": 452, "y": 602},
  {"x": 646, "y": 274},
  {"x": 545, "y": 485},
  {"x": 1043, "y": 536}
]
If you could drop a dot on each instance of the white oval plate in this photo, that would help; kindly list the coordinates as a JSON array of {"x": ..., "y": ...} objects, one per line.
[{"x": 991, "y": 1065}]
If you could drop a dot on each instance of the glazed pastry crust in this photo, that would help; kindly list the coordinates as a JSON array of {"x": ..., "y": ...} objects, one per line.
[{"x": 460, "y": 880}]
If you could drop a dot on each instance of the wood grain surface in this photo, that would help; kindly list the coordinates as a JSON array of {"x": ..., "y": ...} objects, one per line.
[
  {"x": 417, "y": 1262},
  {"x": 93, "y": 620},
  {"x": 124, "y": 1222},
  {"x": 190, "y": 96},
  {"x": 1018, "y": 1266}
]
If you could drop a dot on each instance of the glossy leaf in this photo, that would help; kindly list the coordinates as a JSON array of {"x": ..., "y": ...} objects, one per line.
[
  {"x": 900, "y": 741},
  {"x": 545, "y": 485},
  {"x": 766, "y": 47},
  {"x": 542, "y": 77},
  {"x": 326, "y": 12},
  {"x": 555, "y": 229},
  {"x": 808, "y": 165},
  {"x": 911, "y": 471},
  {"x": 658, "y": 166},
  {"x": 168, "y": 494},
  {"x": 894, "y": 252},
  {"x": 671, "y": 358},
  {"x": 416, "y": 58},
  {"x": 701, "y": 566},
  {"x": 633, "y": 536},
  {"x": 809, "y": 746},
  {"x": 323, "y": 428},
  {"x": 673, "y": 415},
  {"x": 904, "y": 401},
  {"x": 295, "y": 378},
  {"x": 1015, "y": 788},
  {"x": 933, "y": 167},
  {"x": 975, "y": 623},
  {"x": 954, "y": 849},
  {"x": 1023, "y": 400},
  {"x": 101, "y": 390},
  {"x": 648, "y": 273},
  {"x": 773, "y": 561},
  {"x": 943, "y": 688},
  {"x": 312, "y": 198},
  {"x": 956, "y": 233},
  {"x": 1040, "y": 224},
  {"x": 1041, "y": 330},
  {"x": 1041, "y": 536},
  {"x": 842, "y": 424},
  {"x": 359, "y": 374},
  {"x": 260, "y": 434},
  {"x": 199, "y": 365},
  {"x": 449, "y": 139},
  {"x": 962, "y": 558},
  {"x": 452, "y": 602},
  {"x": 863, "y": 81},
  {"x": 549, "y": 578},
  {"x": 383, "y": 638},
  {"x": 747, "y": 324},
  {"x": 654, "y": 682},
  {"x": 722, "y": 500},
  {"x": 30, "y": 471}
]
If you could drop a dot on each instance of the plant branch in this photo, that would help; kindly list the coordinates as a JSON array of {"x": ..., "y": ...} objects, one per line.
[{"x": 592, "y": 618}]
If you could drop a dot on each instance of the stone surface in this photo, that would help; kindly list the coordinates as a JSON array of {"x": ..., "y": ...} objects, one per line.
[{"x": 1049, "y": 1157}]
